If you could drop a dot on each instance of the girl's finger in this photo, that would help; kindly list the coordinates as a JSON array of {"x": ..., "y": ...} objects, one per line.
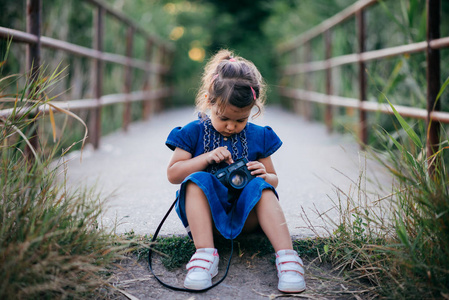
[
  {"x": 229, "y": 160},
  {"x": 254, "y": 166}
]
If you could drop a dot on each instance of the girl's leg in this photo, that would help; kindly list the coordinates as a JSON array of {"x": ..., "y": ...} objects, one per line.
[
  {"x": 288, "y": 264},
  {"x": 272, "y": 221},
  {"x": 203, "y": 265},
  {"x": 199, "y": 217}
]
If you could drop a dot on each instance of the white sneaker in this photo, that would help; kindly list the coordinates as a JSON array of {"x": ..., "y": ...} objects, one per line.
[
  {"x": 203, "y": 266},
  {"x": 290, "y": 272}
]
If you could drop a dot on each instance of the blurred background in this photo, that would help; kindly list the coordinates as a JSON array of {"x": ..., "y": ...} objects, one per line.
[
  {"x": 197, "y": 29},
  {"x": 253, "y": 29}
]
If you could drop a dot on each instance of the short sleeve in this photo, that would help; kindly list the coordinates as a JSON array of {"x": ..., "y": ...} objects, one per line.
[
  {"x": 183, "y": 137},
  {"x": 271, "y": 142}
]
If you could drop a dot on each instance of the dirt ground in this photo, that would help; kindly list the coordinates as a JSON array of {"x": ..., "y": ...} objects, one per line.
[{"x": 250, "y": 277}]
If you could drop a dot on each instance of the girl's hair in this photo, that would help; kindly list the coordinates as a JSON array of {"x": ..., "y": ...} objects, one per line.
[{"x": 229, "y": 79}]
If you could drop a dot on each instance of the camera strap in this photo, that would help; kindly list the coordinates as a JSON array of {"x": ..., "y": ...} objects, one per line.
[{"x": 150, "y": 266}]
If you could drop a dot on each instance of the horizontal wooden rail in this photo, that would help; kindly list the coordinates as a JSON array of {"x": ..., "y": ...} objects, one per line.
[
  {"x": 334, "y": 100},
  {"x": 365, "y": 56},
  {"x": 23, "y": 37},
  {"x": 325, "y": 26},
  {"x": 130, "y": 23},
  {"x": 75, "y": 105},
  {"x": 431, "y": 47},
  {"x": 155, "y": 79}
]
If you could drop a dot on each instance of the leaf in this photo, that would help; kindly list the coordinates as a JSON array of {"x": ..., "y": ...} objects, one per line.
[
  {"x": 326, "y": 249},
  {"x": 394, "y": 75},
  {"x": 433, "y": 156},
  {"x": 443, "y": 87},
  {"x": 67, "y": 112},
  {"x": 398, "y": 145},
  {"x": 402, "y": 233},
  {"x": 28, "y": 143},
  {"x": 410, "y": 132},
  {"x": 53, "y": 125}
]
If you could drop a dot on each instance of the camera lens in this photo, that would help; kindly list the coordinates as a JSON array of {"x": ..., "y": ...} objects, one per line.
[{"x": 238, "y": 180}]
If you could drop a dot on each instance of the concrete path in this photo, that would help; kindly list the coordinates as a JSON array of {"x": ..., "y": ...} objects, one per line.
[{"x": 130, "y": 171}]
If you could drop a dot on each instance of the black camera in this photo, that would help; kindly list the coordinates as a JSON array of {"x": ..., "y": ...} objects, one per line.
[{"x": 235, "y": 176}]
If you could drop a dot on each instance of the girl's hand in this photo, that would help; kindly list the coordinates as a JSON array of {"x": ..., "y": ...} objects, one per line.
[
  {"x": 218, "y": 155},
  {"x": 257, "y": 168}
]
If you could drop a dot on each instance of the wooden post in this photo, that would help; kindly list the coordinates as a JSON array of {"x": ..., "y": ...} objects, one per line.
[
  {"x": 169, "y": 76},
  {"x": 296, "y": 80},
  {"x": 33, "y": 62},
  {"x": 147, "y": 85},
  {"x": 33, "y": 24},
  {"x": 128, "y": 78},
  {"x": 363, "y": 134},
  {"x": 308, "y": 82},
  {"x": 164, "y": 76},
  {"x": 95, "y": 119},
  {"x": 328, "y": 49},
  {"x": 433, "y": 78},
  {"x": 159, "y": 77}
]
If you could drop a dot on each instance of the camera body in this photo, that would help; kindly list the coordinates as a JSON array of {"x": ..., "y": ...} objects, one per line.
[{"x": 235, "y": 176}]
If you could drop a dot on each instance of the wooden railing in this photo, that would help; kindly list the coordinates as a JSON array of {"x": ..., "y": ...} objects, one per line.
[
  {"x": 291, "y": 50},
  {"x": 156, "y": 66}
]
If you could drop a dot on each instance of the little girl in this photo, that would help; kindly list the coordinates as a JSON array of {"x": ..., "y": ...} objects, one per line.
[{"x": 231, "y": 87}]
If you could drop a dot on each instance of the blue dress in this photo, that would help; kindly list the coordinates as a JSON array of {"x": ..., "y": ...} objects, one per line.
[{"x": 253, "y": 142}]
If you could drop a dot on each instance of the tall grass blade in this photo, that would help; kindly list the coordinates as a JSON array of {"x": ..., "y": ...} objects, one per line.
[
  {"x": 395, "y": 142},
  {"x": 36, "y": 156},
  {"x": 443, "y": 87},
  {"x": 53, "y": 124},
  {"x": 69, "y": 113},
  {"x": 408, "y": 129},
  {"x": 392, "y": 78}
]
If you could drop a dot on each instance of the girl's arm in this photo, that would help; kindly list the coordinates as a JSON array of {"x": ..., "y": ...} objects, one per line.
[
  {"x": 182, "y": 164},
  {"x": 264, "y": 168}
]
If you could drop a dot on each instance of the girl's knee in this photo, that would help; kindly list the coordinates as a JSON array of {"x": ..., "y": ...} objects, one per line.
[
  {"x": 190, "y": 184},
  {"x": 195, "y": 195},
  {"x": 192, "y": 187},
  {"x": 268, "y": 200},
  {"x": 268, "y": 195}
]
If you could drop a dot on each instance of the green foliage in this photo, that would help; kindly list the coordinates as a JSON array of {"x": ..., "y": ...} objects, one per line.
[
  {"x": 421, "y": 217},
  {"x": 400, "y": 242},
  {"x": 177, "y": 251},
  {"x": 312, "y": 247},
  {"x": 288, "y": 19},
  {"x": 206, "y": 26},
  {"x": 174, "y": 251},
  {"x": 410, "y": 132}
]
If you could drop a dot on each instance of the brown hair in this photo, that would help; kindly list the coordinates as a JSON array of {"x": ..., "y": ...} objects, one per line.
[{"x": 229, "y": 79}]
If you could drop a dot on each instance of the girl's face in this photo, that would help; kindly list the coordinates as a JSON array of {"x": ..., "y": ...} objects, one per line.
[{"x": 231, "y": 120}]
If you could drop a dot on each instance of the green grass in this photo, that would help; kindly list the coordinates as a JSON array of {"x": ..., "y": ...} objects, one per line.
[
  {"x": 51, "y": 245},
  {"x": 399, "y": 242},
  {"x": 176, "y": 251}
]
